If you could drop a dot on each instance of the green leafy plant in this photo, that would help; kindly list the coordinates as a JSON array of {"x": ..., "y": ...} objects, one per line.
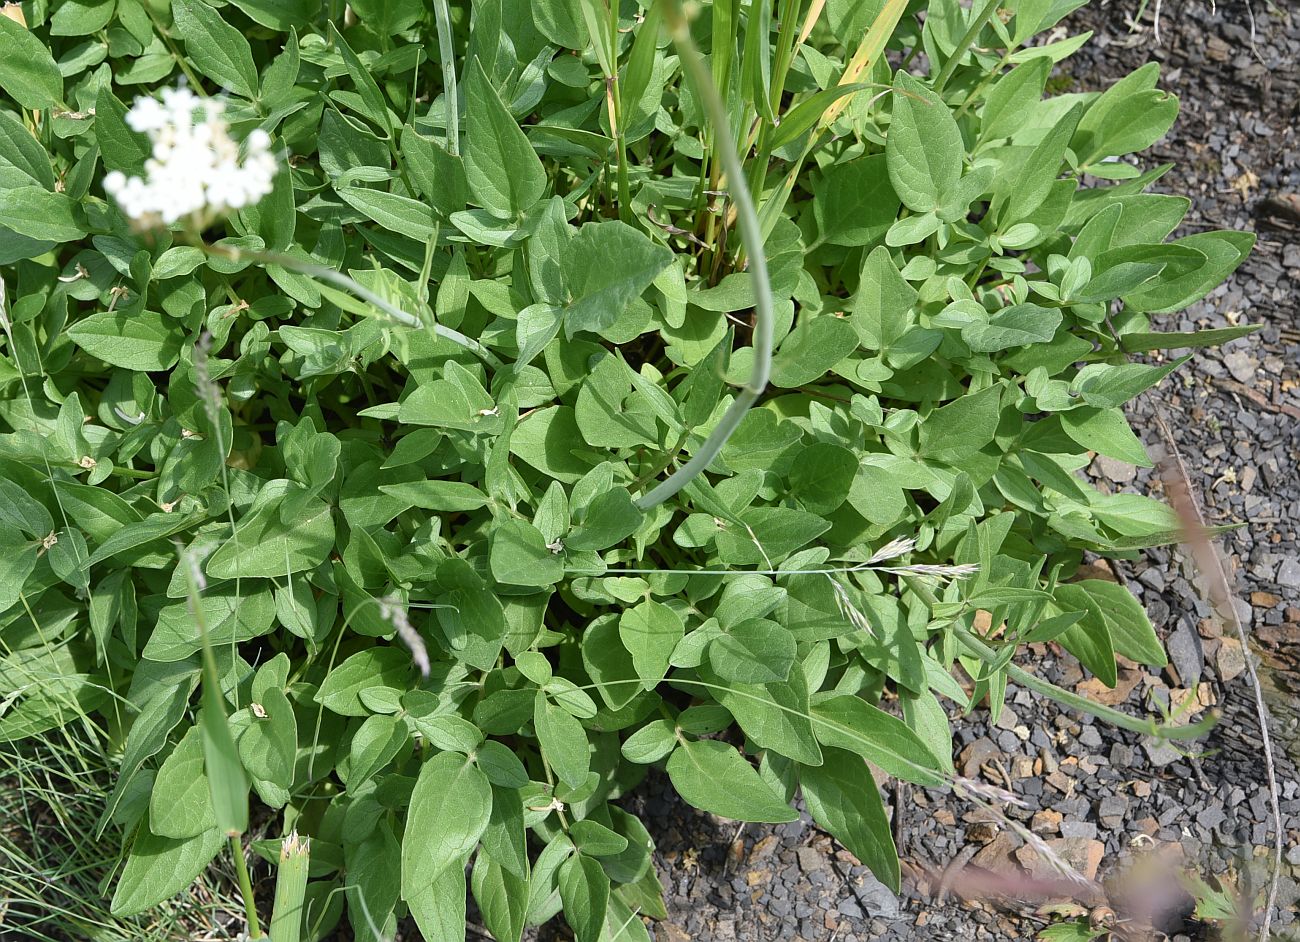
[{"x": 631, "y": 386}]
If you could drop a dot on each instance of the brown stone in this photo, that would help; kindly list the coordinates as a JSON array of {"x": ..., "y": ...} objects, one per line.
[
  {"x": 976, "y": 754},
  {"x": 1264, "y": 599},
  {"x": 945, "y": 817},
  {"x": 998, "y": 854},
  {"x": 764, "y": 848},
  {"x": 1148, "y": 826},
  {"x": 1082, "y": 854},
  {"x": 1230, "y": 660},
  {"x": 1046, "y": 822},
  {"x": 1094, "y": 689},
  {"x": 1061, "y": 782}
]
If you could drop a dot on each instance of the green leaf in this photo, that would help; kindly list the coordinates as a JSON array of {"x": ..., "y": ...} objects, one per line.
[
  {"x": 924, "y": 146},
  {"x": 756, "y": 651},
  {"x": 1012, "y": 97},
  {"x": 596, "y": 840},
  {"x": 266, "y": 544},
  {"x": 775, "y": 716},
  {"x": 38, "y": 213},
  {"x": 822, "y": 476},
  {"x": 714, "y": 777},
  {"x": 812, "y": 349},
  {"x": 650, "y": 743},
  {"x": 27, "y": 70},
  {"x": 373, "y": 667},
  {"x": 268, "y": 744},
  {"x": 882, "y": 305},
  {"x": 502, "y": 899},
  {"x": 438, "y": 904},
  {"x": 505, "y": 174},
  {"x": 399, "y": 214},
  {"x": 180, "y": 804},
  {"x": 1223, "y": 252},
  {"x": 1107, "y": 432},
  {"x": 843, "y": 798},
  {"x": 449, "y": 811},
  {"x": 650, "y": 631},
  {"x": 1015, "y": 326},
  {"x": 584, "y": 888},
  {"x": 158, "y": 868},
  {"x": 606, "y": 266},
  {"x": 215, "y": 47},
  {"x": 563, "y": 741},
  {"x": 22, "y": 159},
  {"x": 519, "y": 556},
  {"x": 441, "y": 496},
  {"x": 856, "y": 204},
  {"x": 1143, "y": 341},
  {"x": 143, "y": 341},
  {"x": 1089, "y": 638},
  {"x": 801, "y": 117},
  {"x": 1126, "y": 621},
  {"x": 230, "y": 617},
  {"x": 849, "y": 722},
  {"x": 1034, "y": 182},
  {"x": 607, "y": 521},
  {"x": 1106, "y": 385},
  {"x": 956, "y": 431}
]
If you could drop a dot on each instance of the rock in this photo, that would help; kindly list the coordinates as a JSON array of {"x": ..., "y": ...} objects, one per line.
[
  {"x": 1111, "y": 811},
  {"x": 1079, "y": 830},
  {"x": 1211, "y": 817},
  {"x": 1121, "y": 472},
  {"x": 1160, "y": 752},
  {"x": 1241, "y": 365},
  {"x": 1046, "y": 821},
  {"x": 1079, "y": 853},
  {"x": 810, "y": 859},
  {"x": 1288, "y": 574},
  {"x": 1185, "y": 652},
  {"x": 998, "y": 854},
  {"x": 878, "y": 899},
  {"x": 1230, "y": 660},
  {"x": 975, "y": 755}
]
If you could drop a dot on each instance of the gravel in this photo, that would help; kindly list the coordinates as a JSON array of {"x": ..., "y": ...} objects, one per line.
[{"x": 1099, "y": 793}]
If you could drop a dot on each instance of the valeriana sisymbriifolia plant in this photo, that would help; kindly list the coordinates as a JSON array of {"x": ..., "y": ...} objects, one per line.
[{"x": 433, "y": 452}]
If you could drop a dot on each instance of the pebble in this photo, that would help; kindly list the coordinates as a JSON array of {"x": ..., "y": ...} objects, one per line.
[
  {"x": 1241, "y": 365},
  {"x": 1184, "y": 647}
]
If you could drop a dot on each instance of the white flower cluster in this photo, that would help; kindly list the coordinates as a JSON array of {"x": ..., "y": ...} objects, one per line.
[{"x": 196, "y": 172}]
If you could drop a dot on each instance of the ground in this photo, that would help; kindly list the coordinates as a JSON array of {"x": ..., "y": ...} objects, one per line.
[{"x": 1102, "y": 798}]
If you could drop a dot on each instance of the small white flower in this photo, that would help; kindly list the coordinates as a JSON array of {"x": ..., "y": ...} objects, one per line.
[{"x": 196, "y": 171}]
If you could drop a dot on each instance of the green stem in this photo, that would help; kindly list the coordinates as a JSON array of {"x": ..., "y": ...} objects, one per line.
[
  {"x": 132, "y": 473},
  {"x": 963, "y": 44},
  {"x": 752, "y": 237},
  {"x": 448, "y": 61},
  {"x": 245, "y": 888},
  {"x": 362, "y": 292},
  {"x": 1062, "y": 696},
  {"x": 616, "y": 119},
  {"x": 984, "y": 82}
]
